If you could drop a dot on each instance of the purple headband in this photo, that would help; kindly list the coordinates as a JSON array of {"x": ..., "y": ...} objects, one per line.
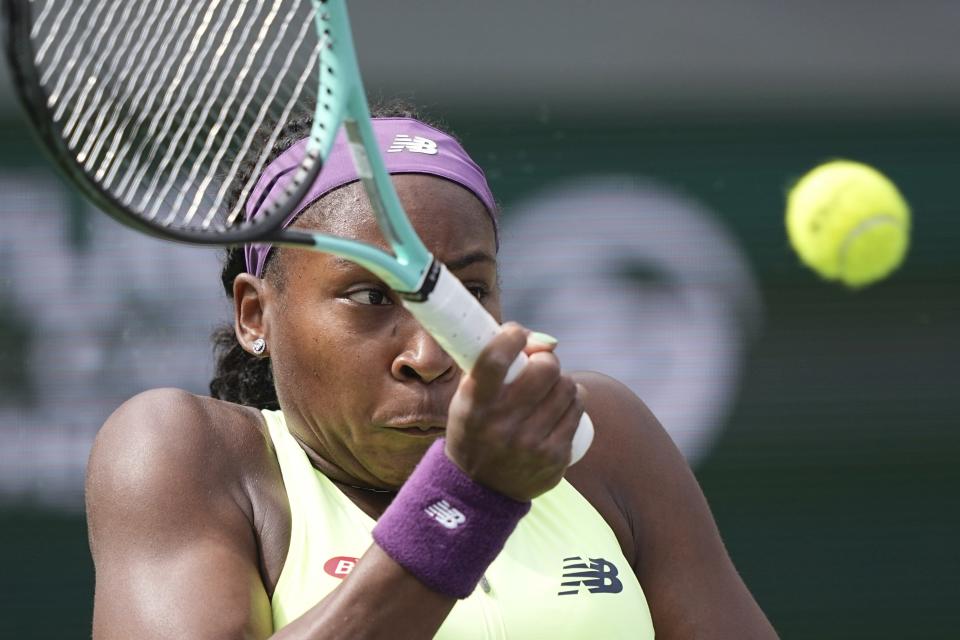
[{"x": 407, "y": 146}]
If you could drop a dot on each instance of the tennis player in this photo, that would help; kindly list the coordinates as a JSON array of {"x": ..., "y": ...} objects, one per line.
[{"x": 347, "y": 480}]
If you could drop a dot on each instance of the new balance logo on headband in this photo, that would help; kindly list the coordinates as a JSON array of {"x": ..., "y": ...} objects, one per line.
[
  {"x": 416, "y": 144},
  {"x": 445, "y": 514},
  {"x": 599, "y": 576}
]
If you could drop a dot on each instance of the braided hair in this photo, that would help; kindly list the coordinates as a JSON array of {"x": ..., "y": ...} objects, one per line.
[{"x": 239, "y": 376}]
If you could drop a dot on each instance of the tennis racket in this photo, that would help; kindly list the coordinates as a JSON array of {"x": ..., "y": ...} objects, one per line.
[{"x": 152, "y": 108}]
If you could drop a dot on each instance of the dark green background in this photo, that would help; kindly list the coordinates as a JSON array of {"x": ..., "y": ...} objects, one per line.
[{"x": 835, "y": 484}]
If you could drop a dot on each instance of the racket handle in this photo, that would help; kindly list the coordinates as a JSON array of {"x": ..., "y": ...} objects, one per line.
[{"x": 457, "y": 320}]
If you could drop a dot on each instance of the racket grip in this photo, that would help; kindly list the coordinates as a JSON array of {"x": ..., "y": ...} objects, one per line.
[{"x": 460, "y": 324}]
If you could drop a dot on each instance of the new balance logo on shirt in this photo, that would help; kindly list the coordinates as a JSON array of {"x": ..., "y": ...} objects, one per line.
[
  {"x": 445, "y": 514},
  {"x": 416, "y": 144},
  {"x": 596, "y": 575}
]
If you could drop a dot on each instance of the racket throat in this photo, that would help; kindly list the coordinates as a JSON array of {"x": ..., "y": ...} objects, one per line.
[{"x": 427, "y": 285}]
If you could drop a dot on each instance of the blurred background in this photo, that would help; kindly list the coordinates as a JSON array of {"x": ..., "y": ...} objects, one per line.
[{"x": 657, "y": 141}]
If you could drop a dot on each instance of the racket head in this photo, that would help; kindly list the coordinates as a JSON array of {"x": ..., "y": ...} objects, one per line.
[{"x": 155, "y": 114}]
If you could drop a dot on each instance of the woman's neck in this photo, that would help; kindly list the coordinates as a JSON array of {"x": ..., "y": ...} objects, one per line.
[{"x": 371, "y": 500}]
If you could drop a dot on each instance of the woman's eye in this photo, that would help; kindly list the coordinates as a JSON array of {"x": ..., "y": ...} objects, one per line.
[
  {"x": 479, "y": 292},
  {"x": 370, "y": 296}
]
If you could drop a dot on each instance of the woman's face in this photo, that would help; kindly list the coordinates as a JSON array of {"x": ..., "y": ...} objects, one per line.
[{"x": 356, "y": 375}]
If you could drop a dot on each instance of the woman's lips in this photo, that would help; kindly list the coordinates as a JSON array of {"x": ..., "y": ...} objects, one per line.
[
  {"x": 420, "y": 431},
  {"x": 418, "y": 425}
]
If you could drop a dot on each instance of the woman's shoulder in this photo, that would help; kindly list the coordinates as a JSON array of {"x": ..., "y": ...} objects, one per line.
[
  {"x": 178, "y": 420},
  {"x": 166, "y": 439},
  {"x": 624, "y": 427},
  {"x": 631, "y": 454},
  {"x": 662, "y": 519}
]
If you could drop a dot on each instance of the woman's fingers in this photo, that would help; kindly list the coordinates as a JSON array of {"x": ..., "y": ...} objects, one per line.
[
  {"x": 514, "y": 438},
  {"x": 485, "y": 379},
  {"x": 538, "y": 341}
]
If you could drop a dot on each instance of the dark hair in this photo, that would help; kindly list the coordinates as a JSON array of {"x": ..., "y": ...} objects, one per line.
[{"x": 239, "y": 376}]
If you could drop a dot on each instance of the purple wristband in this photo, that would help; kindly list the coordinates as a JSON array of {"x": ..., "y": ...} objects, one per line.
[{"x": 444, "y": 528}]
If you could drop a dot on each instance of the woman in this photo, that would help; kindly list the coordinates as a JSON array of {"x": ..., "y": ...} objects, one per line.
[{"x": 210, "y": 518}]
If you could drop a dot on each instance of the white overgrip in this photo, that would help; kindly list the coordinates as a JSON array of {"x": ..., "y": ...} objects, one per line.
[{"x": 457, "y": 320}]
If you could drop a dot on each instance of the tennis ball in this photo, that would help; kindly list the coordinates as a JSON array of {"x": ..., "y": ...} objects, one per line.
[{"x": 848, "y": 222}]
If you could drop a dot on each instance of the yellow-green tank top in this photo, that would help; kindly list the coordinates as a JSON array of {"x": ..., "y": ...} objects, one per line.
[{"x": 561, "y": 574}]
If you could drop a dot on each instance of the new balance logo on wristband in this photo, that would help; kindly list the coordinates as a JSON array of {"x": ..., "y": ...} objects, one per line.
[
  {"x": 597, "y": 575},
  {"x": 446, "y": 515},
  {"x": 416, "y": 144}
]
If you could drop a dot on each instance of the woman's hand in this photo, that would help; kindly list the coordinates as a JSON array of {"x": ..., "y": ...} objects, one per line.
[{"x": 514, "y": 438}]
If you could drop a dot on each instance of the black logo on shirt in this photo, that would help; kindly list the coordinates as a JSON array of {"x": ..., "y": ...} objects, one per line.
[{"x": 597, "y": 575}]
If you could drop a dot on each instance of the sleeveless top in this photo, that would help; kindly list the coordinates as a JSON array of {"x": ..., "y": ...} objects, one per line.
[{"x": 561, "y": 574}]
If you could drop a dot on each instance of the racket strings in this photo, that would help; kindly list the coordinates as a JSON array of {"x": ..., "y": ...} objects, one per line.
[
  {"x": 71, "y": 92},
  {"x": 281, "y": 118},
  {"x": 71, "y": 60},
  {"x": 305, "y": 28},
  {"x": 119, "y": 88},
  {"x": 142, "y": 85},
  {"x": 167, "y": 104},
  {"x": 189, "y": 80},
  {"x": 127, "y": 125}
]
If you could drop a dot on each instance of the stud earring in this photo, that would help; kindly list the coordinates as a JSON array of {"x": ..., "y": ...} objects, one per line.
[{"x": 259, "y": 346}]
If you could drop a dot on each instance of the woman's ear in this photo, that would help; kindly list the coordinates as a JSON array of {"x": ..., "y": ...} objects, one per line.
[{"x": 250, "y": 299}]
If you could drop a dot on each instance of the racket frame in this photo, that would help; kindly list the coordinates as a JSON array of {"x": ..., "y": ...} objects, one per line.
[{"x": 434, "y": 296}]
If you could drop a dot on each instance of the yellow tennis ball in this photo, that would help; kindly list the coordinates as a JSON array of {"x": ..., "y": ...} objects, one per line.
[{"x": 848, "y": 222}]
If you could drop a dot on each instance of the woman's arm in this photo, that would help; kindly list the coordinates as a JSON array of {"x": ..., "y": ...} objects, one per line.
[
  {"x": 690, "y": 583},
  {"x": 176, "y": 551}
]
